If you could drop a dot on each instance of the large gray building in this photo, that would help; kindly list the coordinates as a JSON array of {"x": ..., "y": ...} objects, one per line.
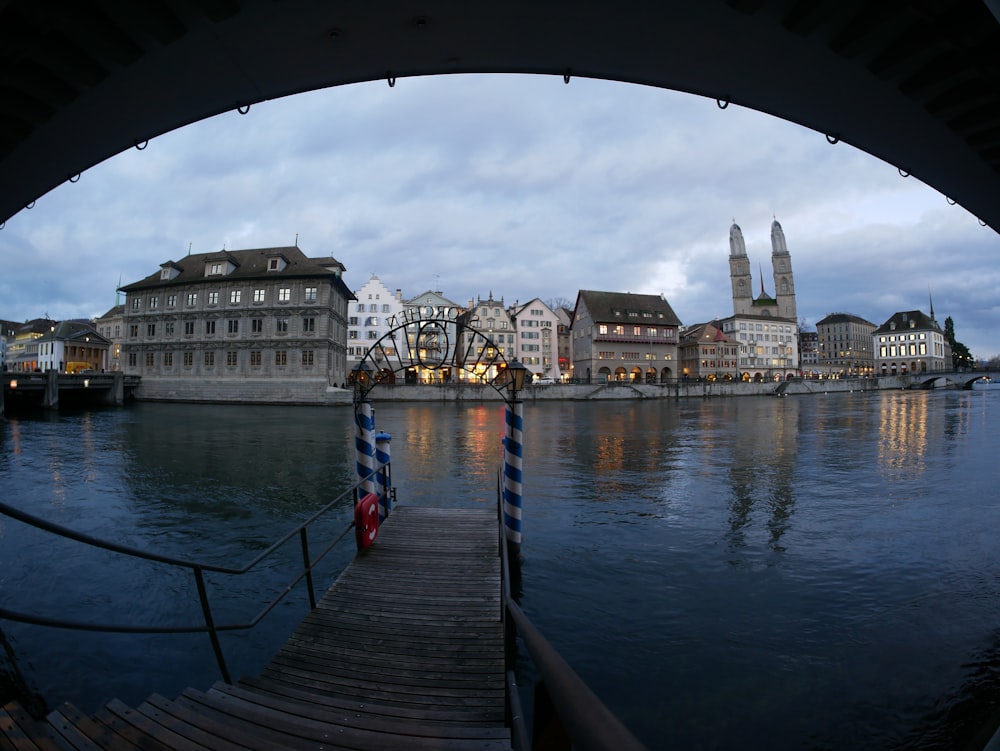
[
  {"x": 619, "y": 336},
  {"x": 267, "y": 324},
  {"x": 845, "y": 345}
]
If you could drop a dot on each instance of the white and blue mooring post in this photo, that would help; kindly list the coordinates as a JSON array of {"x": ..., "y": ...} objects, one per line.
[
  {"x": 364, "y": 446},
  {"x": 512, "y": 453},
  {"x": 384, "y": 476}
]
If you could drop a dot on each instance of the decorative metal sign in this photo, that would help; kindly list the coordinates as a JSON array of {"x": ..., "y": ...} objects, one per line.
[{"x": 431, "y": 340}]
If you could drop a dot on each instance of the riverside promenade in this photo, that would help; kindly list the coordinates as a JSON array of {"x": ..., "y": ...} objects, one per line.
[{"x": 319, "y": 393}]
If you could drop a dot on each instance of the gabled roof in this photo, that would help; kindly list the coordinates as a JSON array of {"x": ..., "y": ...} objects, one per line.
[
  {"x": 902, "y": 322},
  {"x": 418, "y": 299},
  {"x": 700, "y": 333},
  {"x": 622, "y": 307},
  {"x": 116, "y": 311},
  {"x": 74, "y": 331},
  {"x": 250, "y": 264}
]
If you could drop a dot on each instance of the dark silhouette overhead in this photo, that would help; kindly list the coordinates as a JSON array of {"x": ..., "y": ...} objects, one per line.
[{"x": 913, "y": 82}]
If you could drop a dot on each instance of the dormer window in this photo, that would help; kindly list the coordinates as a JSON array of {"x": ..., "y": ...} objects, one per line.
[{"x": 169, "y": 271}]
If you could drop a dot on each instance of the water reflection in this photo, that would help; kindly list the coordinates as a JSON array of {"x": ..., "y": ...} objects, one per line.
[
  {"x": 762, "y": 469},
  {"x": 748, "y": 549},
  {"x": 903, "y": 436}
]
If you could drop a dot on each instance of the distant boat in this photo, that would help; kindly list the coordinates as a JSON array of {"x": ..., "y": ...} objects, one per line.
[{"x": 981, "y": 384}]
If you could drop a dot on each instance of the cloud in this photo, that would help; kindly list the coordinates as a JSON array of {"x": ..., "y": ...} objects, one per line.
[{"x": 517, "y": 184}]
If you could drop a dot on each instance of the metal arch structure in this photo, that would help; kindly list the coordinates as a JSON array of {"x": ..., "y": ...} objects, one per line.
[
  {"x": 436, "y": 345},
  {"x": 915, "y": 83}
]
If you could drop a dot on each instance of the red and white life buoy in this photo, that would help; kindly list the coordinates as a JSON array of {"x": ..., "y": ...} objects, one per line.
[{"x": 366, "y": 521}]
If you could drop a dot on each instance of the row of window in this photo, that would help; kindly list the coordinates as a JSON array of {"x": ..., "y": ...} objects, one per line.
[
  {"x": 651, "y": 332},
  {"x": 774, "y": 327},
  {"x": 630, "y": 356},
  {"x": 901, "y": 351},
  {"x": 754, "y": 337},
  {"x": 255, "y": 358},
  {"x": 235, "y": 298},
  {"x": 373, "y": 307},
  {"x": 902, "y": 337},
  {"x": 210, "y": 327}
]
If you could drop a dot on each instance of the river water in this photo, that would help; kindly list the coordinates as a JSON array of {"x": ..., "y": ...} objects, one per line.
[{"x": 808, "y": 572}]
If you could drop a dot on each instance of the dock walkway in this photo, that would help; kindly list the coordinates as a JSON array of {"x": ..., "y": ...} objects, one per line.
[{"x": 405, "y": 650}]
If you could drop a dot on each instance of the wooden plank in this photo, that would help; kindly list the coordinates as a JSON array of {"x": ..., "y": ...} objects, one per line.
[
  {"x": 405, "y": 650},
  {"x": 430, "y": 714},
  {"x": 161, "y": 711},
  {"x": 20, "y": 732},
  {"x": 84, "y": 733},
  {"x": 242, "y": 735},
  {"x": 270, "y": 720},
  {"x": 361, "y": 720},
  {"x": 150, "y": 729}
]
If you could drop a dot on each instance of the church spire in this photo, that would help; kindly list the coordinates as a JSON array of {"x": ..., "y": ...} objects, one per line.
[
  {"x": 778, "y": 245},
  {"x": 737, "y": 247}
]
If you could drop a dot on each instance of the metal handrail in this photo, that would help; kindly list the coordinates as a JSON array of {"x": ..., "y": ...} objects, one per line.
[
  {"x": 580, "y": 720},
  {"x": 197, "y": 568}
]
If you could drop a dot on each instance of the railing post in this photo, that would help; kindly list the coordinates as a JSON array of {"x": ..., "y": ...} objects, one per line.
[
  {"x": 304, "y": 537},
  {"x": 384, "y": 479},
  {"x": 512, "y": 451},
  {"x": 210, "y": 622},
  {"x": 364, "y": 446}
]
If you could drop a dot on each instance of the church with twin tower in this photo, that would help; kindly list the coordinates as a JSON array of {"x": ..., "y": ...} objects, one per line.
[{"x": 766, "y": 327}]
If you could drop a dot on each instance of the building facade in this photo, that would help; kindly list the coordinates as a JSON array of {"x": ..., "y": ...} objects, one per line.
[
  {"x": 768, "y": 346},
  {"x": 371, "y": 317},
  {"x": 624, "y": 337},
  {"x": 809, "y": 353},
  {"x": 536, "y": 338},
  {"x": 707, "y": 353},
  {"x": 911, "y": 342},
  {"x": 485, "y": 331},
  {"x": 565, "y": 342},
  {"x": 845, "y": 346},
  {"x": 111, "y": 326},
  {"x": 270, "y": 315},
  {"x": 22, "y": 346},
  {"x": 73, "y": 347}
]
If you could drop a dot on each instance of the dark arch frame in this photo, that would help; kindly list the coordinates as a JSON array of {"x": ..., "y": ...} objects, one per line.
[{"x": 81, "y": 82}]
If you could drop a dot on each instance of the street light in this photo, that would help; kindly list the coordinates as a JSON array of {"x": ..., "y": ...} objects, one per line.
[
  {"x": 362, "y": 380},
  {"x": 516, "y": 372}
]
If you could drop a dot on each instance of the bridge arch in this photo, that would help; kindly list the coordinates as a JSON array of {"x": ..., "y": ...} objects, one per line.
[{"x": 931, "y": 70}]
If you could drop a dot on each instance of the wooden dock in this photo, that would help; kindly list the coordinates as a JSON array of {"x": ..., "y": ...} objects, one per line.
[{"x": 404, "y": 651}]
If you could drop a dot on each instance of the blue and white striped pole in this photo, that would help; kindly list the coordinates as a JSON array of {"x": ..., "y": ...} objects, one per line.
[
  {"x": 364, "y": 446},
  {"x": 512, "y": 453},
  {"x": 384, "y": 476}
]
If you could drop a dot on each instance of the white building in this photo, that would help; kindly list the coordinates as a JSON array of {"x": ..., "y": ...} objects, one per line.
[
  {"x": 71, "y": 347},
  {"x": 371, "y": 317},
  {"x": 911, "y": 342},
  {"x": 536, "y": 338},
  {"x": 769, "y": 346}
]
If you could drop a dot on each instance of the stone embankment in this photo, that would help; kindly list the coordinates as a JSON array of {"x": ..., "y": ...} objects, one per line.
[{"x": 320, "y": 393}]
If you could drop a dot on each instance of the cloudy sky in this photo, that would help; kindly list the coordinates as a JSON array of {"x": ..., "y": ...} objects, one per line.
[{"x": 517, "y": 185}]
